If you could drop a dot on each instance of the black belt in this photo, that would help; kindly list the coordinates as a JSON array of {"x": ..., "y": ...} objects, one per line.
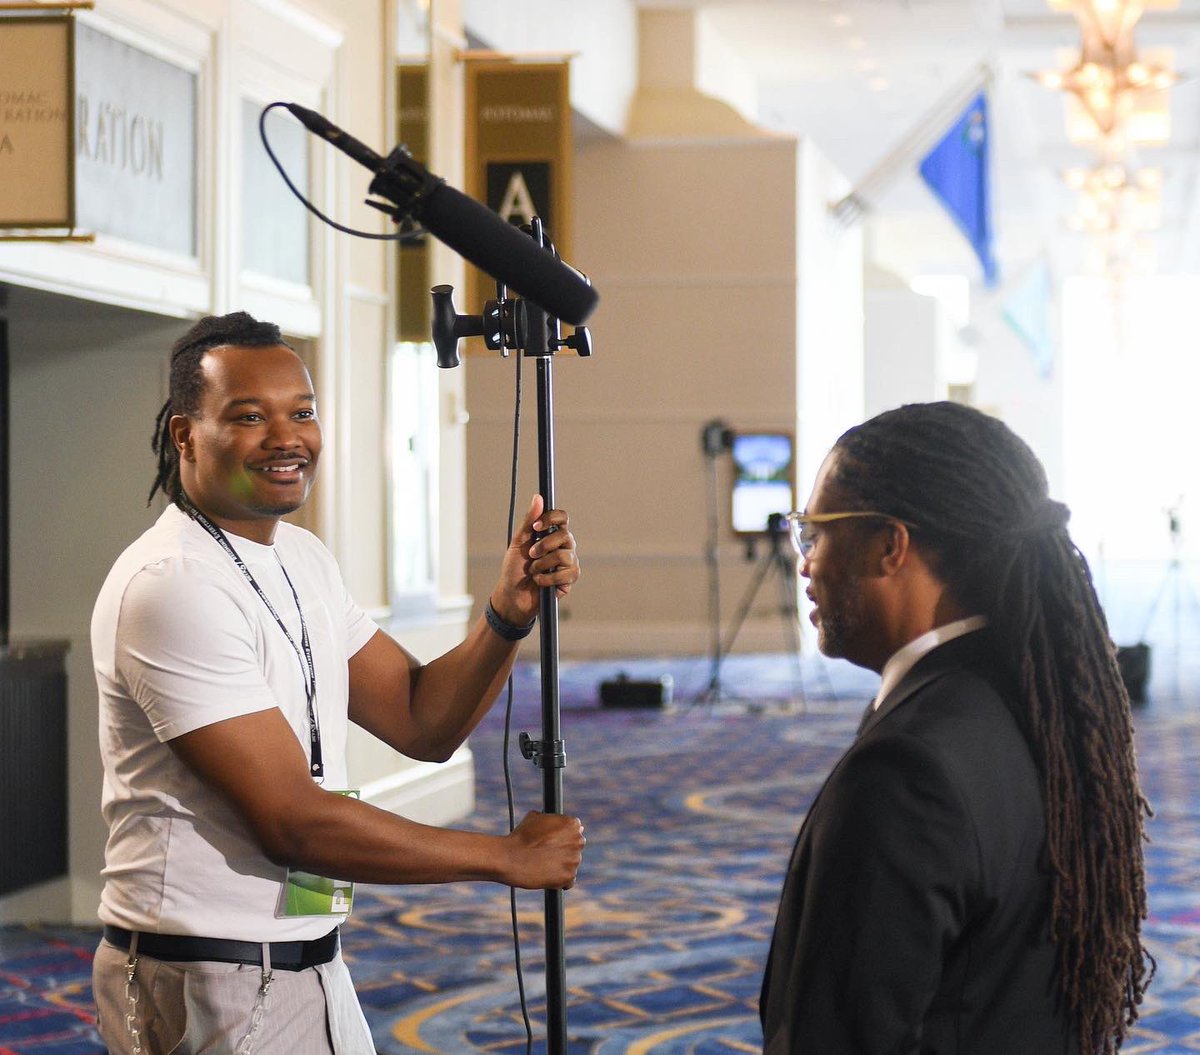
[{"x": 285, "y": 955}]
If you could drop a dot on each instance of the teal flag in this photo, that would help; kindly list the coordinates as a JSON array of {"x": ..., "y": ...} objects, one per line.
[{"x": 1029, "y": 311}]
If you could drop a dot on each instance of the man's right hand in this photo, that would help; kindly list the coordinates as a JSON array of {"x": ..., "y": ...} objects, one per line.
[
  {"x": 545, "y": 851},
  {"x": 297, "y": 824}
]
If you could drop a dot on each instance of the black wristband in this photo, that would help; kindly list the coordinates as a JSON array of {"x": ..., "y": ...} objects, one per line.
[{"x": 508, "y": 631}]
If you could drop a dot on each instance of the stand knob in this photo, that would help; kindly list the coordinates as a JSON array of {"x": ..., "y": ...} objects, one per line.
[
  {"x": 449, "y": 327},
  {"x": 580, "y": 340}
]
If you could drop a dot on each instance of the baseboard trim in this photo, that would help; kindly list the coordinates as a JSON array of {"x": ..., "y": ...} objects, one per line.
[
  {"x": 584, "y": 640},
  {"x": 429, "y": 792}
]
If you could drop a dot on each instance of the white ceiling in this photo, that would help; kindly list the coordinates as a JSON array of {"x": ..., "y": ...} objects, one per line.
[{"x": 858, "y": 77}]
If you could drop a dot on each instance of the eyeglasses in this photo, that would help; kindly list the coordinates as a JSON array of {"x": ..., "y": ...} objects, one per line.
[{"x": 799, "y": 526}]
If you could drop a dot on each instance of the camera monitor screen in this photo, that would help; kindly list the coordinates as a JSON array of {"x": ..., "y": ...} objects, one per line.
[{"x": 764, "y": 479}]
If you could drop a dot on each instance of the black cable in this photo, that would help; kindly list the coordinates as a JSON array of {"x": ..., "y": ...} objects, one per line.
[
  {"x": 400, "y": 236},
  {"x": 508, "y": 786}
]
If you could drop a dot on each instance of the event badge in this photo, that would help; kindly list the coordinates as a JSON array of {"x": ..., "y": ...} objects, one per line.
[{"x": 306, "y": 894}]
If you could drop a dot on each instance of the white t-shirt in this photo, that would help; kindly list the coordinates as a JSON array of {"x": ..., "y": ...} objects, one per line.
[{"x": 180, "y": 640}]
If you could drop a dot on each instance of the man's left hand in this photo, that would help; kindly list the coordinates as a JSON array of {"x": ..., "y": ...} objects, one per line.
[{"x": 541, "y": 553}]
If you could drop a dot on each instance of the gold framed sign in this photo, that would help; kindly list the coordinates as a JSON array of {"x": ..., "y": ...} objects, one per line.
[
  {"x": 413, "y": 281},
  {"x": 37, "y": 125},
  {"x": 518, "y": 150}
]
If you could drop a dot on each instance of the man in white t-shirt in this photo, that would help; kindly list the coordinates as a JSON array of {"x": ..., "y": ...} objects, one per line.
[{"x": 229, "y": 660}]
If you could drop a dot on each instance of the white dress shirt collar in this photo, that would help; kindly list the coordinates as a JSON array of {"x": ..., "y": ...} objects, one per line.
[{"x": 903, "y": 660}]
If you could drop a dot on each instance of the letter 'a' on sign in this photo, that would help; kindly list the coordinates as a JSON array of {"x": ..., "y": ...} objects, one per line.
[
  {"x": 37, "y": 91},
  {"x": 517, "y": 201},
  {"x": 519, "y": 192},
  {"x": 518, "y": 151}
]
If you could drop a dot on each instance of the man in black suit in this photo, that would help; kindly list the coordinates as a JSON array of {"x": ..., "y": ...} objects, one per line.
[{"x": 969, "y": 880}]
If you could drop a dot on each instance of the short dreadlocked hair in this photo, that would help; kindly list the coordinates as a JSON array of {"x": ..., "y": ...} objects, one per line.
[
  {"x": 979, "y": 501},
  {"x": 187, "y": 383}
]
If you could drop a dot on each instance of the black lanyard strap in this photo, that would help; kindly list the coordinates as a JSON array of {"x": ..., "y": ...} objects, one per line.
[{"x": 308, "y": 670}]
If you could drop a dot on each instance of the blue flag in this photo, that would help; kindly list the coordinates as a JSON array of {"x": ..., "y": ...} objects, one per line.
[{"x": 956, "y": 170}]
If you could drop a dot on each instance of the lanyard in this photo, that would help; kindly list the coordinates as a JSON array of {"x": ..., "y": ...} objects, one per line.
[{"x": 307, "y": 670}]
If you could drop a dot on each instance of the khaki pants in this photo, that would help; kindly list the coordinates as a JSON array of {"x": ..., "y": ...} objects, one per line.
[{"x": 207, "y": 1008}]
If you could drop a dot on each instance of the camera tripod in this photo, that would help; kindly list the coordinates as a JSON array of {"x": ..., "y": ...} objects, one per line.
[
  {"x": 780, "y": 561},
  {"x": 1174, "y": 585}
]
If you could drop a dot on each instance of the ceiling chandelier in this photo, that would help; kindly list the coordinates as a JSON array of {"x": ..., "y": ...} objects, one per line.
[
  {"x": 1115, "y": 93},
  {"x": 1112, "y": 197},
  {"x": 1110, "y": 21},
  {"x": 1116, "y": 99}
]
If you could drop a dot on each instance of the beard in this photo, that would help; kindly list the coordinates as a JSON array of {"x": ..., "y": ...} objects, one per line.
[
  {"x": 257, "y": 499},
  {"x": 841, "y": 620},
  {"x": 277, "y": 509}
]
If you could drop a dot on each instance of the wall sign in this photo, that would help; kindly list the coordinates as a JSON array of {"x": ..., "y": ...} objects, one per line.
[
  {"x": 275, "y": 225},
  {"x": 413, "y": 280},
  {"x": 135, "y": 144},
  {"x": 519, "y": 150},
  {"x": 36, "y": 128}
]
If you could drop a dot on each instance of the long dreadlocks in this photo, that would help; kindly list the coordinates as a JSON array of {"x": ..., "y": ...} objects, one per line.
[
  {"x": 979, "y": 498},
  {"x": 187, "y": 383}
]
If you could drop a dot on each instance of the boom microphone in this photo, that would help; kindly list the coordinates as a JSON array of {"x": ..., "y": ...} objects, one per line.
[
  {"x": 468, "y": 227},
  {"x": 494, "y": 245},
  {"x": 345, "y": 142}
]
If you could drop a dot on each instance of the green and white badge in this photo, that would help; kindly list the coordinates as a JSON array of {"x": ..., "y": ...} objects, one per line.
[{"x": 306, "y": 894}]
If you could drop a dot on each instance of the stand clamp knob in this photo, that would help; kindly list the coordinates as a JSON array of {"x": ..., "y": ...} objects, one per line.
[
  {"x": 537, "y": 753},
  {"x": 580, "y": 341}
]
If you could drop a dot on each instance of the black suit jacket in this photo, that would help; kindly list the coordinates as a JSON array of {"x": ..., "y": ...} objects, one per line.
[{"x": 915, "y": 911}]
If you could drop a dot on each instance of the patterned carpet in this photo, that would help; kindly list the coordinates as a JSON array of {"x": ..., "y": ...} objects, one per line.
[{"x": 690, "y": 814}]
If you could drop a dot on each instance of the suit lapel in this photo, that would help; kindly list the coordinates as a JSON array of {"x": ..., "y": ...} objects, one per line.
[{"x": 959, "y": 652}]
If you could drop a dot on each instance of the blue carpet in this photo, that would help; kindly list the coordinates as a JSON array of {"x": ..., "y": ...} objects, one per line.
[{"x": 691, "y": 813}]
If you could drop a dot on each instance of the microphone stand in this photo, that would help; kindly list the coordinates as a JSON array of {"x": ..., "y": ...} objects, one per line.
[
  {"x": 517, "y": 323},
  {"x": 409, "y": 191}
]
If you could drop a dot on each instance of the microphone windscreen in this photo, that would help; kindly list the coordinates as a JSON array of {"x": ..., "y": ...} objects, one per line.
[{"x": 494, "y": 245}]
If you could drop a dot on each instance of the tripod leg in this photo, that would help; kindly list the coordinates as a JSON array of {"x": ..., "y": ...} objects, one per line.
[
  {"x": 789, "y": 611},
  {"x": 1168, "y": 581},
  {"x": 743, "y": 610},
  {"x": 712, "y": 560},
  {"x": 829, "y": 689}
]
